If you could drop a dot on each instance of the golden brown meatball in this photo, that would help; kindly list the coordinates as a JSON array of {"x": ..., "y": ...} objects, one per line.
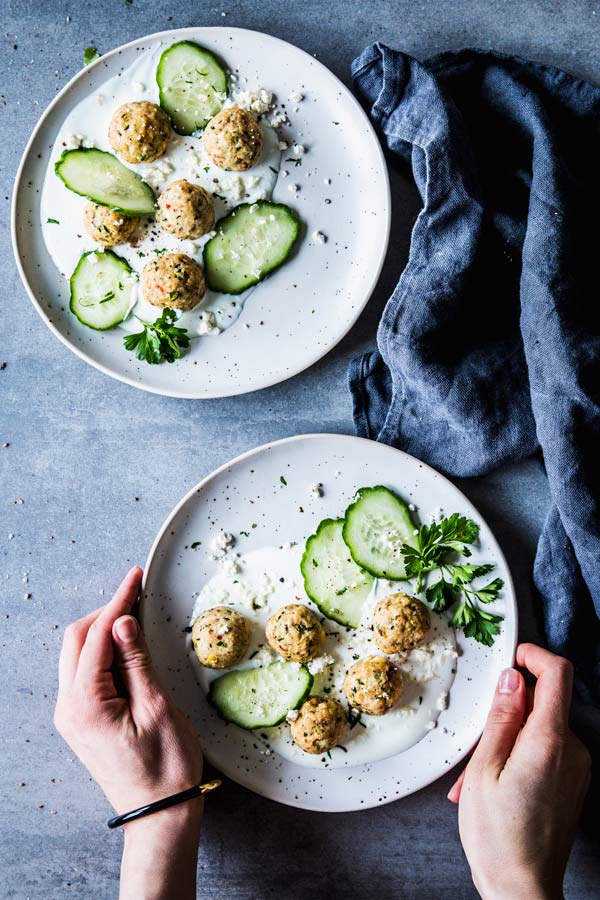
[
  {"x": 220, "y": 637},
  {"x": 319, "y": 726},
  {"x": 400, "y": 623},
  {"x": 139, "y": 131},
  {"x": 185, "y": 210},
  {"x": 233, "y": 139},
  {"x": 107, "y": 227},
  {"x": 295, "y": 632},
  {"x": 173, "y": 280},
  {"x": 373, "y": 685}
]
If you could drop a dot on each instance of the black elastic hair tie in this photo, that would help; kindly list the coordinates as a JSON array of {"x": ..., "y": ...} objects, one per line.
[{"x": 197, "y": 791}]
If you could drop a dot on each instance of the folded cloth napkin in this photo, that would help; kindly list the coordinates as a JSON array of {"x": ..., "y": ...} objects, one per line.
[{"x": 489, "y": 347}]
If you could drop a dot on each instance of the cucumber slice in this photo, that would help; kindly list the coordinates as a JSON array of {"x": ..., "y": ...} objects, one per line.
[
  {"x": 101, "y": 177},
  {"x": 192, "y": 86},
  {"x": 250, "y": 242},
  {"x": 102, "y": 289},
  {"x": 375, "y": 527},
  {"x": 260, "y": 698},
  {"x": 332, "y": 579}
]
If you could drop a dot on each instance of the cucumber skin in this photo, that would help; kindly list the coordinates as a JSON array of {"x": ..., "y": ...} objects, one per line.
[
  {"x": 158, "y": 79},
  {"x": 121, "y": 260},
  {"x": 210, "y": 699},
  {"x": 359, "y": 496},
  {"x": 124, "y": 212},
  {"x": 206, "y": 252},
  {"x": 304, "y": 564}
]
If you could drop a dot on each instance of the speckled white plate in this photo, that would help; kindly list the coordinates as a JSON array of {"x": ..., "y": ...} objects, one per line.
[
  {"x": 248, "y": 495},
  {"x": 301, "y": 311}
]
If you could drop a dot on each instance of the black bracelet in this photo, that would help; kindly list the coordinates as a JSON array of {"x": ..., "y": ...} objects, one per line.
[{"x": 197, "y": 791}]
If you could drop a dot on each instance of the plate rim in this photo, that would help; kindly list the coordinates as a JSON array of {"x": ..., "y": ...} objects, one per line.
[
  {"x": 124, "y": 378},
  {"x": 248, "y": 454}
]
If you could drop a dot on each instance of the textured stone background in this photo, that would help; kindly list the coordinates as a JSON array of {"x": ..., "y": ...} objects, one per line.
[{"x": 82, "y": 446}]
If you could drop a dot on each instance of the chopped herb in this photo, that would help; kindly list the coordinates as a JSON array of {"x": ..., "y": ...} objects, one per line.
[
  {"x": 207, "y": 168},
  {"x": 315, "y": 563},
  {"x": 160, "y": 340},
  {"x": 341, "y": 591},
  {"x": 282, "y": 480},
  {"x": 52, "y": 221},
  {"x": 245, "y": 533},
  {"x": 276, "y": 171},
  {"x": 195, "y": 545},
  {"x": 89, "y": 55},
  {"x": 295, "y": 160},
  {"x": 110, "y": 295}
]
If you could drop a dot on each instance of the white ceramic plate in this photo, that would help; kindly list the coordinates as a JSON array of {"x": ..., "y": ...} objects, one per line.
[
  {"x": 300, "y": 312},
  {"x": 249, "y": 489}
]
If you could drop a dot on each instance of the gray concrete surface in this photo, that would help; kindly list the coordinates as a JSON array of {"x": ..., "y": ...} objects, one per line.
[{"x": 82, "y": 446}]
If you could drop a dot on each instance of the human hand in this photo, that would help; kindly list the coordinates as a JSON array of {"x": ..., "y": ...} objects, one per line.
[
  {"x": 134, "y": 741},
  {"x": 521, "y": 794}
]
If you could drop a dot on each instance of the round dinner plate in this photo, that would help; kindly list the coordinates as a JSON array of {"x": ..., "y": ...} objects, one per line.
[
  {"x": 301, "y": 311},
  {"x": 249, "y": 493}
]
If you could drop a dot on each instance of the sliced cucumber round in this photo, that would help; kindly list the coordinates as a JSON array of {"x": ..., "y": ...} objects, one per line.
[
  {"x": 250, "y": 242},
  {"x": 192, "y": 85},
  {"x": 102, "y": 289},
  {"x": 332, "y": 579},
  {"x": 375, "y": 527},
  {"x": 101, "y": 177},
  {"x": 261, "y": 697}
]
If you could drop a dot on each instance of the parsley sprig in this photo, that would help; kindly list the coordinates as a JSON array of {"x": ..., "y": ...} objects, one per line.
[
  {"x": 434, "y": 544},
  {"x": 160, "y": 340}
]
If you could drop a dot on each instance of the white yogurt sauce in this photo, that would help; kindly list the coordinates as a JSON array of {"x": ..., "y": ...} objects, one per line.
[
  {"x": 87, "y": 125},
  {"x": 270, "y": 578}
]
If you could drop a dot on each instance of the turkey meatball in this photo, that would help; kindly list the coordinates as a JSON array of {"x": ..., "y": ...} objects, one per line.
[
  {"x": 139, "y": 132},
  {"x": 185, "y": 210},
  {"x": 173, "y": 280},
  {"x": 319, "y": 726},
  {"x": 373, "y": 685},
  {"x": 220, "y": 637},
  {"x": 108, "y": 227},
  {"x": 295, "y": 633},
  {"x": 400, "y": 623},
  {"x": 233, "y": 139}
]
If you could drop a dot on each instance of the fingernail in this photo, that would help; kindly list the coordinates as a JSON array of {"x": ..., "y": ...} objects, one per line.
[
  {"x": 509, "y": 682},
  {"x": 127, "y": 629}
]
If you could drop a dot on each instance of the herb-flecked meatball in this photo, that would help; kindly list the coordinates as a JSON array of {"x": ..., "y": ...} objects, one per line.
[
  {"x": 108, "y": 227},
  {"x": 233, "y": 139},
  {"x": 295, "y": 632},
  {"x": 220, "y": 637},
  {"x": 373, "y": 685},
  {"x": 185, "y": 210},
  {"x": 173, "y": 280},
  {"x": 139, "y": 131},
  {"x": 319, "y": 726},
  {"x": 400, "y": 623}
]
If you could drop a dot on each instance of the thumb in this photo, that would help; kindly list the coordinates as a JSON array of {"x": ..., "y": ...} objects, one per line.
[
  {"x": 134, "y": 662},
  {"x": 503, "y": 723}
]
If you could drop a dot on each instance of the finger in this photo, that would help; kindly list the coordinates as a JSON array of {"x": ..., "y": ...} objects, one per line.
[
  {"x": 454, "y": 792},
  {"x": 503, "y": 723},
  {"x": 554, "y": 687},
  {"x": 73, "y": 641},
  {"x": 135, "y": 666},
  {"x": 97, "y": 653}
]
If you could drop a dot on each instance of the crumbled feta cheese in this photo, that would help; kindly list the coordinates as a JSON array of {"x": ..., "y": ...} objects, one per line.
[
  {"x": 295, "y": 97},
  {"x": 253, "y": 180},
  {"x": 430, "y": 725},
  {"x": 138, "y": 87},
  {"x": 283, "y": 145},
  {"x": 412, "y": 507},
  {"x": 258, "y": 101},
  {"x": 229, "y": 566},
  {"x": 292, "y": 715},
  {"x": 154, "y": 175},
  {"x": 208, "y": 323},
  {"x": 327, "y": 181},
  {"x": 101, "y": 99},
  {"x": 442, "y": 701},
  {"x": 299, "y": 149},
  {"x": 316, "y": 490},
  {"x": 319, "y": 237},
  {"x": 437, "y": 514},
  {"x": 279, "y": 118},
  {"x": 74, "y": 141},
  {"x": 222, "y": 542},
  {"x": 293, "y": 188},
  {"x": 315, "y": 666},
  {"x": 234, "y": 186}
]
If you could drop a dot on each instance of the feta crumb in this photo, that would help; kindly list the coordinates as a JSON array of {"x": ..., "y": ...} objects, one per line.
[
  {"x": 319, "y": 237},
  {"x": 316, "y": 490},
  {"x": 412, "y": 507},
  {"x": 437, "y": 515},
  {"x": 315, "y": 666},
  {"x": 234, "y": 186},
  {"x": 208, "y": 323},
  {"x": 327, "y": 181},
  {"x": 430, "y": 725},
  {"x": 229, "y": 566},
  {"x": 295, "y": 97},
  {"x": 258, "y": 101},
  {"x": 101, "y": 99},
  {"x": 74, "y": 141},
  {"x": 292, "y": 715},
  {"x": 138, "y": 87},
  {"x": 279, "y": 118},
  {"x": 442, "y": 701},
  {"x": 293, "y": 188},
  {"x": 283, "y": 145},
  {"x": 222, "y": 542},
  {"x": 253, "y": 180},
  {"x": 299, "y": 149}
]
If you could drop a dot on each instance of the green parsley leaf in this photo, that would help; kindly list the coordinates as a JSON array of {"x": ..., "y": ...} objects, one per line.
[
  {"x": 52, "y": 221},
  {"x": 440, "y": 595},
  {"x": 89, "y": 55},
  {"x": 282, "y": 480},
  {"x": 159, "y": 341},
  {"x": 293, "y": 159}
]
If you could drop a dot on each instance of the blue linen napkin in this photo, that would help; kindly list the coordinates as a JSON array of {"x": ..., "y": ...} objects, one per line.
[{"x": 489, "y": 347}]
